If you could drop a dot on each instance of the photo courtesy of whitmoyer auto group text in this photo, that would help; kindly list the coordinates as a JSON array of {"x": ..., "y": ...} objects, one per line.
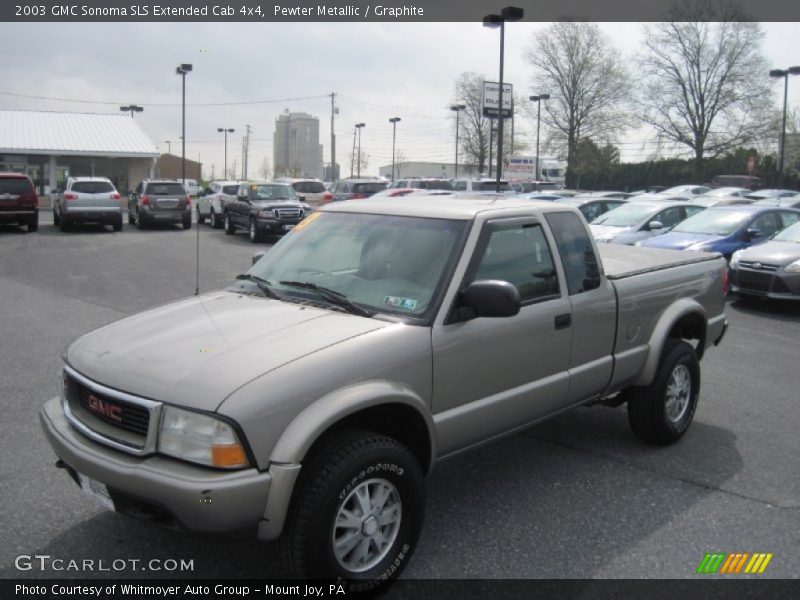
[{"x": 418, "y": 300}]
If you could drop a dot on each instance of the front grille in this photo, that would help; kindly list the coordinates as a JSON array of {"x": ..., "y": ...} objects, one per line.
[
  {"x": 753, "y": 280},
  {"x": 757, "y": 266},
  {"x": 779, "y": 287},
  {"x": 287, "y": 213},
  {"x": 115, "y": 412}
]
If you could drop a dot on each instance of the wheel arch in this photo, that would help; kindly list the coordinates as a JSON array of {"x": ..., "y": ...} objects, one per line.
[{"x": 684, "y": 319}]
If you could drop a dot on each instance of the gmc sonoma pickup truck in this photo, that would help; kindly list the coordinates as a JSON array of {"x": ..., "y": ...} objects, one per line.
[{"x": 307, "y": 402}]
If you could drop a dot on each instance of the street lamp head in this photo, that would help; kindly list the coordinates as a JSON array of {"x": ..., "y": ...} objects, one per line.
[
  {"x": 794, "y": 70},
  {"x": 777, "y": 73},
  {"x": 220, "y": 129},
  {"x": 457, "y": 107},
  {"x": 512, "y": 13},
  {"x": 360, "y": 125},
  {"x": 492, "y": 21},
  {"x": 394, "y": 119},
  {"x": 186, "y": 68},
  {"x": 544, "y": 96}
]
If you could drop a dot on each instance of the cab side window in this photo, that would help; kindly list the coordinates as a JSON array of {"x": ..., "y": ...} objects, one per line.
[
  {"x": 519, "y": 254},
  {"x": 577, "y": 253}
]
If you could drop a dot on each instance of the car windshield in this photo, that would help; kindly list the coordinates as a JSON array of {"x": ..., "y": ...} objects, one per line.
[
  {"x": 790, "y": 234},
  {"x": 276, "y": 191},
  {"x": 369, "y": 188},
  {"x": 626, "y": 216},
  {"x": 386, "y": 264},
  {"x": 166, "y": 189},
  {"x": 713, "y": 222},
  {"x": 230, "y": 190},
  {"x": 309, "y": 187},
  {"x": 92, "y": 187},
  {"x": 489, "y": 186}
]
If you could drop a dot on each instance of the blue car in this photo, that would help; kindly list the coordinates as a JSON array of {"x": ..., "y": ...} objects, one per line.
[{"x": 725, "y": 229}]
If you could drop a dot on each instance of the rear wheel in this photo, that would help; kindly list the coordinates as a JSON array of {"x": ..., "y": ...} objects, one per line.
[
  {"x": 117, "y": 224},
  {"x": 33, "y": 224},
  {"x": 200, "y": 218},
  {"x": 187, "y": 221},
  {"x": 140, "y": 222},
  {"x": 357, "y": 511},
  {"x": 131, "y": 219},
  {"x": 661, "y": 412},
  {"x": 56, "y": 218},
  {"x": 64, "y": 223},
  {"x": 230, "y": 229}
]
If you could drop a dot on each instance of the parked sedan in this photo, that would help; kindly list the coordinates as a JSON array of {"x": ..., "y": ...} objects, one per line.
[
  {"x": 591, "y": 206},
  {"x": 88, "y": 200},
  {"x": 726, "y": 229},
  {"x": 687, "y": 191},
  {"x": 771, "y": 194},
  {"x": 640, "y": 219},
  {"x": 211, "y": 205},
  {"x": 771, "y": 269},
  {"x": 785, "y": 202},
  {"x": 264, "y": 208}
]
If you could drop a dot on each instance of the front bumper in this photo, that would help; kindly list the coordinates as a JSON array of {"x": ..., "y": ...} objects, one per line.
[
  {"x": 777, "y": 284},
  {"x": 93, "y": 214},
  {"x": 18, "y": 216},
  {"x": 267, "y": 224},
  {"x": 173, "y": 493}
]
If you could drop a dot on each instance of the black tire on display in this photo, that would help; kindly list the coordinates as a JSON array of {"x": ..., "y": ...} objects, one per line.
[
  {"x": 356, "y": 512},
  {"x": 229, "y": 227},
  {"x": 661, "y": 412}
]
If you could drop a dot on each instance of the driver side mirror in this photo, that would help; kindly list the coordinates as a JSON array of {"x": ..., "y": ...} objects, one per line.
[
  {"x": 655, "y": 225},
  {"x": 489, "y": 298},
  {"x": 753, "y": 233}
]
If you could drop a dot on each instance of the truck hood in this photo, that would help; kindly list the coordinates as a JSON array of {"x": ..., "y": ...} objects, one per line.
[
  {"x": 675, "y": 240},
  {"x": 196, "y": 352}
]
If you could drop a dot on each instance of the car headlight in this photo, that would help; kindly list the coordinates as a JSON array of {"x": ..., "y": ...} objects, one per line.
[
  {"x": 793, "y": 267},
  {"x": 200, "y": 439},
  {"x": 264, "y": 213},
  {"x": 699, "y": 248}
]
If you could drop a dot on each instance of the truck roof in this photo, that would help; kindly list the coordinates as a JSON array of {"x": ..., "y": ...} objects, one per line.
[{"x": 455, "y": 206}]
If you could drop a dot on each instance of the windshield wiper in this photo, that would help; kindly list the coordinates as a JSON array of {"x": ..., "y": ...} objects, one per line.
[
  {"x": 263, "y": 284},
  {"x": 332, "y": 296}
]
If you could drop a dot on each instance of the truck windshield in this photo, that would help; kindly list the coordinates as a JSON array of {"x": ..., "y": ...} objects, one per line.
[
  {"x": 626, "y": 216},
  {"x": 386, "y": 264},
  {"x": 713, "y": 222}
]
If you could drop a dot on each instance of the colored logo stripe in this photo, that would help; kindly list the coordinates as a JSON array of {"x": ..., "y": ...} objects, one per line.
[{"x": 734, "y": 563}]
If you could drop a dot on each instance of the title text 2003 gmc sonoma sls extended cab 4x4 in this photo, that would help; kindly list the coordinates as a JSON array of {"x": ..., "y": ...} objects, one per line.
[{"x": 307, "y": 402}]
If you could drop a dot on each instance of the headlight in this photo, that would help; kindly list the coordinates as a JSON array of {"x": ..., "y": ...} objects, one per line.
[
  {"x": 264, "y": 213},
  {"x": 200, "y": 439},
  {"x": 793, "y": 267},
  {"x": 639, "y": 243},
  {"x": 699, "y": 248}
]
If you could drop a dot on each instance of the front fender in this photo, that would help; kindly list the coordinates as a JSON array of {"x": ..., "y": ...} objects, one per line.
[
  {"x": 674, "y": 312},
  {"x": 318, "y": 417}
]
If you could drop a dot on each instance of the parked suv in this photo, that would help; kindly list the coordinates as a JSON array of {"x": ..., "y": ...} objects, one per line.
[
  {"x": 160, "y": 201},
  {"x": 211, "y": 205},
  {"x": 422, "y": 183},
  {"x": 310, "y": 191},
  {"x": 88, "y": 200},
  {"x": 19, "y": 202},
  {"x": 482, "y": 185},
  {"x": 263, "y": 208},
  {"x": 355, "y": 189}
]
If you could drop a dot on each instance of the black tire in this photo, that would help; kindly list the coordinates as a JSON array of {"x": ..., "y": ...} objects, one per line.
[
  {"x": 200, "y": 218},
  {"x": 131, "y": 220},
  {"x": 140, "y": 220},
  {"x": 187, "y": 221},
  {"x": 345, "y": 462},
  {"x": 253, "y": 233},
  {"x": 64, "y": 223},
  {"x": 216, "y": 222},
  {"x": 230, "y": 228},
  {"x": 33, "y": 225},
  {"x": 657, "y": 418},
  {"x": 117, "y": 225},
  {"x": 56, "y": 218}
]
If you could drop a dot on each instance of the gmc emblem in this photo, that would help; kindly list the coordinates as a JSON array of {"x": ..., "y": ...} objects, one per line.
[{"x": 110, "y": 411}]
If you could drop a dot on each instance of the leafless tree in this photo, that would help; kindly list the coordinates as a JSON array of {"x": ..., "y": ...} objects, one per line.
[
  {"x": 705, "y": 84},
  {"x": 588, "y": 83},
  {"x": 232, "y": 169},
  {"x": 400, "y": 161},
  {"x": 473, "y": 129},
  {"x": 265, "y": 170}
]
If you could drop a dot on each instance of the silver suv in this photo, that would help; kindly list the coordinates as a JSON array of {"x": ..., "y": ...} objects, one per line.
[
  {"x": 88, "y": 200},
  {"x": 160, "y": 201}
]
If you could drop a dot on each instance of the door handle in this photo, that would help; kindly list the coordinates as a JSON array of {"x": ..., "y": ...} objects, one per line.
[{"x": 563, "y": 321}]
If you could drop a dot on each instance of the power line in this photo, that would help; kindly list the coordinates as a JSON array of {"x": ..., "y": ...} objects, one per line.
[{"x": 162, "y": 104}]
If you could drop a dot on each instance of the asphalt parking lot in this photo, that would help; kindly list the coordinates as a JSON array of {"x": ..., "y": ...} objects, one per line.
[{"x": 576, "y": 497}]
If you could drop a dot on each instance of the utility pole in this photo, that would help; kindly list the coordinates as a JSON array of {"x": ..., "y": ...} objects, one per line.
[
  {"x": 246, "y": 150},
  {"x": 333, "y": 139},
  {"x": 353, "y": 155}
]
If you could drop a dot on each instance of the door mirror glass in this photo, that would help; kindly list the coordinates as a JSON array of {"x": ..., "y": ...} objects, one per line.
[
  {"x": 753, "y": 233},
  {"x": 655, "y": 225},
  {"x": 491, "y": 298}
]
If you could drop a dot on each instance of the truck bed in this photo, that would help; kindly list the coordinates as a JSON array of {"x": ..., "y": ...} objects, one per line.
[{"x": 621, "y": 261}]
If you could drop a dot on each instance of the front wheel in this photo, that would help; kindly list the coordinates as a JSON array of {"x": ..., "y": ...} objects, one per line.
[
  {"x": 200, "y": 218},
  {"x": 661, "y": 412},
  {"x": 357, "y": 511},
  {"x": 253, "y": 233},
  {"x": 216, "y": 222},
  {"x": 229, "y": 227}
]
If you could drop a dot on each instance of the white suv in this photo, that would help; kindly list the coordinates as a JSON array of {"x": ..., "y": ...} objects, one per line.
[
  {"x": 211, "y": 205},
  {"x": 482, "y": 185},
  {"x": 88, "y": 200}
]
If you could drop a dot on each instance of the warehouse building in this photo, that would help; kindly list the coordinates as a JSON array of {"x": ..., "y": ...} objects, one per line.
[{"x": 51, "y": 146}]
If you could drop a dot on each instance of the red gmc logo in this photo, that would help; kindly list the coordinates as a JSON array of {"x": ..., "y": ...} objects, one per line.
[{"x": 111, "y": 411}]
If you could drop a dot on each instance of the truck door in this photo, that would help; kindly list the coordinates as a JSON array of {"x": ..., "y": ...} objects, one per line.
[
  {"x": 491, "y": 375},
  {"x": 593, "y": 307}
]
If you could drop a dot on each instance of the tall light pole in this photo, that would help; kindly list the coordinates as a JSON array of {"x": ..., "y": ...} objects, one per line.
[
  {"x": 457, "y": 108},
  {"x": 785, "y": 74},
  {"x": 538, "y": 99},
  {"x": 359, "y": 126},
  {"x": 225, "y": 132},
  {"x": 169, "y": 146},
  {"x": 132, "y": 108},
  {"x": 393, "y": 121},
  {"x": 509, "y": 13},
  {"x": 182, "y": 70}
]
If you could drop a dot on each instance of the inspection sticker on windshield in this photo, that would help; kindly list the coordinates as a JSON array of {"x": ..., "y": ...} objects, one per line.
[
  {"x": 397, "y": 302},
  {"x": 306, "y": 222}
]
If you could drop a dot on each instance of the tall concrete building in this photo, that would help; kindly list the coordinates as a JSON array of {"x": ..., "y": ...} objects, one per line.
[{"x": 296, "y": 148}]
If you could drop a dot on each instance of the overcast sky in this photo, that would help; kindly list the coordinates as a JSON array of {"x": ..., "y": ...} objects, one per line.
[{"x": 378, "y": 71}]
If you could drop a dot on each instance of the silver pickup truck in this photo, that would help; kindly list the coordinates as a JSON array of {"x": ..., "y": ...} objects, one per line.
[{"x": 307, "y": 402}]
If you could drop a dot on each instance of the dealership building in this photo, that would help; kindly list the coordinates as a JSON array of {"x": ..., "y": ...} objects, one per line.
[{"x": 51, "y": 146}]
